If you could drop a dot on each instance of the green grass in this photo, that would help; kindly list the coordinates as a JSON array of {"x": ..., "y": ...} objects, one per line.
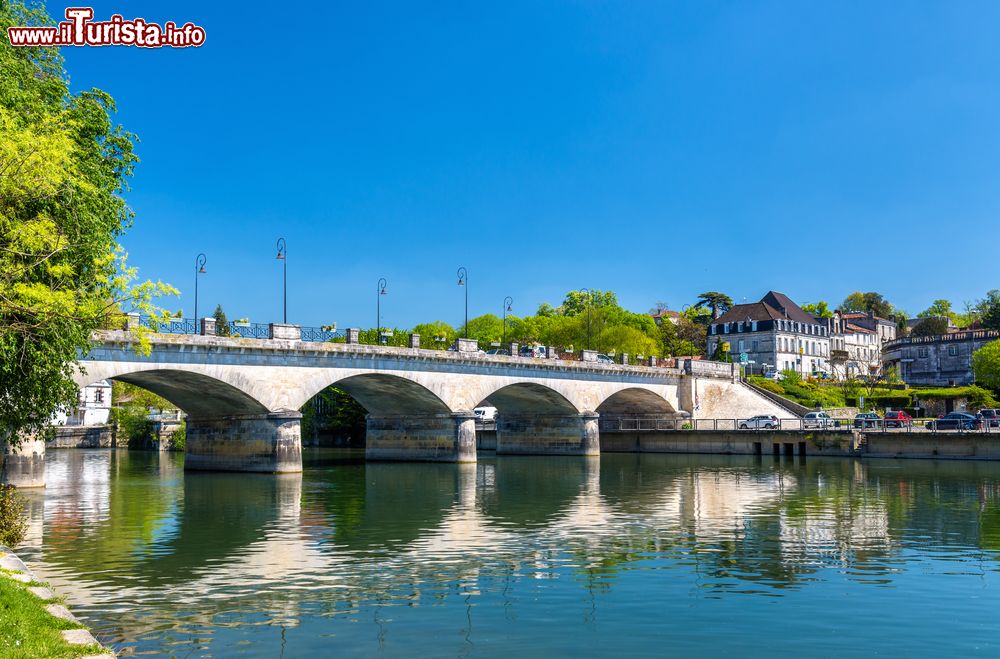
[{"x": 27, "y": 630}]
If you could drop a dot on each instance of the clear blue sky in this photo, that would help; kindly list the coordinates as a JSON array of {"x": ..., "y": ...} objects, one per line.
[{"x": 657, "y": 149}]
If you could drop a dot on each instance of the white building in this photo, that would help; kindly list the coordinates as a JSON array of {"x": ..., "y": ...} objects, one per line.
[
  {"x": 856, "y": 341},
  {"x": 775, "y": 334},
  {"x": 93, "y": 409}
]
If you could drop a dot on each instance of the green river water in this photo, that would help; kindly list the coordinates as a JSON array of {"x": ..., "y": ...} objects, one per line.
[{"x": 622, "y": 555}]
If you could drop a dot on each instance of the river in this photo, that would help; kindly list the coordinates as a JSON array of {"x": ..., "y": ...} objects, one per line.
[{"x": 622, "y": 555}]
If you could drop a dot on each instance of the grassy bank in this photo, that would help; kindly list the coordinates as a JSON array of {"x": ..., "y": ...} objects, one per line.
[
  {"x": 28, "y": 630},
  {"x": 813, "y": 393}
]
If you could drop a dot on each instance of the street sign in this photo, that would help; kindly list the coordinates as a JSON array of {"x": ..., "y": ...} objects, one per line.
[
  {"x": 744, "y": 358},
  {"x": 725, "y": 346}
]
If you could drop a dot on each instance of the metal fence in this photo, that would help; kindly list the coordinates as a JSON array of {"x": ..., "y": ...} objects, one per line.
[
  {"x": 647, "y": 424},
  {"x": 235, "y": 329}
]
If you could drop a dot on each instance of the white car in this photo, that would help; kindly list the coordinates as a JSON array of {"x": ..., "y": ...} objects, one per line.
[
  {"x": 774, "y": 375},
  {"x": 485, "y": 414},
  {"x": 761, "y": 422},
  {"x": 817, "y": 420}
]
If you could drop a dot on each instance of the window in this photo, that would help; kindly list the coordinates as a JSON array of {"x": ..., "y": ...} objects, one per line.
[
  {"x": 753, "y": 327},
  {"x": 753, "y": 345},
  {"x": 742, "y": 345},
  {"x": 713, "y": 329},
  {"x": 98, "y": 395},
  {"x": 725, "y": 328},
  {"x": 921, "y": 352},
  {"x": 952, "y": 350},
  {"x": 739, "y": 326}
]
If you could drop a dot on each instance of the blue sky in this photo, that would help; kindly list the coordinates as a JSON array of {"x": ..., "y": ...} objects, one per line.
[{"x": 657, "y": 149}]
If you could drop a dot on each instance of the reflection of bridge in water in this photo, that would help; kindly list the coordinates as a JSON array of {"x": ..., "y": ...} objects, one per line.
[
  {"x": 243, "y": 396},
  {"x": 183, "y": 539}
]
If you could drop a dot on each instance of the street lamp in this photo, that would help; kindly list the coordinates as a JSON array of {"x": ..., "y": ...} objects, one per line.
[
  {"x": 379, "y": 292},
  {"x": 590, "y": 303},
  {"x": 283, "y": 257},
  {"x": 507, "y": 301},
  {"x": 463, "y": 280},
  {"x": 199, "y": 269}
]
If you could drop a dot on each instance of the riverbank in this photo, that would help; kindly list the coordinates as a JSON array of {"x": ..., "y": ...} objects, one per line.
[{"x": 33, "y": 621}]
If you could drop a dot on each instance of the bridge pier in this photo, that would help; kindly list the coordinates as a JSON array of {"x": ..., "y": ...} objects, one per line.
[
  {"x": 269, "y": 443},
  {"x": 432, "y": 438},
  {"x": 23, "y": 466},
  {"x": 573, "y": 434}
]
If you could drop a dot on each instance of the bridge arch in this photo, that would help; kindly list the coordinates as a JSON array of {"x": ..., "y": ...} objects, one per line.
[
  {"x": 634, "y": 401},
  {"x": 385, "y": 394},
  {"x": 198, "y": 394},
  {"x": 521, "y": 398}
]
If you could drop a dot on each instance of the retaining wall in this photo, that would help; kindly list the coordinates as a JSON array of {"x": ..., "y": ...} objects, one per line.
[
  {"x": 731, "y": 442},
  {"x": 949, "y": 446},
  {"x": 82, "y": 437}
]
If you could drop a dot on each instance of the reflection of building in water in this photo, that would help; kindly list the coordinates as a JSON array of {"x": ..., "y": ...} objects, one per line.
[{"x": 836, "y": 528}]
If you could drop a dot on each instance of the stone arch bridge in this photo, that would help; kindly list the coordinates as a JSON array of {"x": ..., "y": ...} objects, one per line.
[{"x": 242, "y": 396}]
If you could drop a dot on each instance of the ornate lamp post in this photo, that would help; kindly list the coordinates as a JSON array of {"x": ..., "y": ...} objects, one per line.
[
  {"x": 283, "y": 257},
  {"x": 463, "y": 280},
  {"x": 590, "y": 303},
  {"x": 379, "y": 292},
  {"x": 507, "y": 301},
  {"x": 199, "y": 269}
]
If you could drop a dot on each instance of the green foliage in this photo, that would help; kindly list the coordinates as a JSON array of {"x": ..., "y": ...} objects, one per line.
[
  {"x": 718, "y": 303},
  {"x": 819, "y": 310},
  {"x": 13, "y": 519},
  {"x": 989, "y": 310},
  {"x": 133, "y": 424},
  {"x": 125, "y": 394},
  {"x": 430, "y": 332},
  {"x": 221, "y": 322},
  {"x": 64, "y": 166},
  {"x": 791, "y": 377},
  {"x": 766, "y": 384},
  {"x": 178, "y": 438},
  {"x": 334, "y": 412},
  {"x": 931, "y": 326},
  {"x": 986, "y": 365},
  {"x": 976, "y": 396},
  {"x": 938, "y": 309}
]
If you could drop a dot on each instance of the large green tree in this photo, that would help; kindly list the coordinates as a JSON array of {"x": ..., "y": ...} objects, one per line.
[
  {"x": 932, "y": 326},
  {"x": 939, "y": 308},
  {"x": 64, "y": 167},
  {"x": 986, "y": 365},
  {"x": 718, "y": 303}
]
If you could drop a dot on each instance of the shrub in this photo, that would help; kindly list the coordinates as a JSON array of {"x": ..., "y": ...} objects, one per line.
[
  {"x": 133, "y": 424},
  {"x": 178, "y": 438},
  {"x": 766, "y": 384},
  {"x": 13, "y": 520}
]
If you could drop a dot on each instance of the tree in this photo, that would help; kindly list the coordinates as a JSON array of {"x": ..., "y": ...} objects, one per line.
[
  {"x": 932, "y": 326},
  {"x": 430, "y": 333},
  {"x": 870, "y": 302},
  {"x": 989, "y": 310},
  {"x": 64, "y": 166},
  {"x": 719, "y": 303},
  {"x": 819, "y": 310},
  {"x": 221, "y": 322},
  {"x": 939, "y": 308},
  {"x": 577, "y": 302},
  {"x": 986, "y": 365}
]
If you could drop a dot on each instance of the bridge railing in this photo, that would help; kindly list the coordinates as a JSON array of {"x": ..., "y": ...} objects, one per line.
[{"x": 245, "y": 330}]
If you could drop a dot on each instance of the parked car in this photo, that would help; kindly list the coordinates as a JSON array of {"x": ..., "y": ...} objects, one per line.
[
  {"x": 817, "y": 420},
  {"x": 532, "y": 351},
  {"x": 990, "y": 417},
  {"x": 898, "y": 419},
  {"x": 956, "y": 421},
  {"x": 485, "y": 414},
  {"x": 604, "y": 359},
  {"x": 774, "y": 375},
  {"x": 867, "y": 420},
  {"x": 498, "y": 351},
  {"x": 761, "y": 421}
]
